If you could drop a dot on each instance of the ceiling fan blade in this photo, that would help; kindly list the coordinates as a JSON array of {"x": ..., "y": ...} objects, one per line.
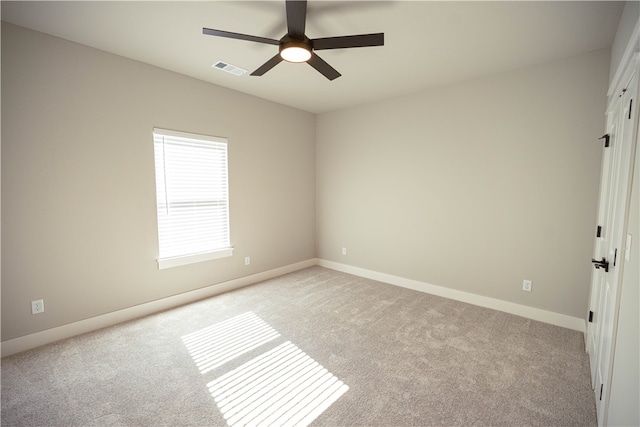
[
  {"x": 341, "y": 42},
  {"x": 267, "y": 65},
  {"x": 325, "y": 69},
  {"x": 230, "y": 35},
  {"x": 296, "y": 18}
]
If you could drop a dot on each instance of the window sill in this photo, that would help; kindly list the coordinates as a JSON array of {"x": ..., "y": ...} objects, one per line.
[{"x": 192, "y": 259}]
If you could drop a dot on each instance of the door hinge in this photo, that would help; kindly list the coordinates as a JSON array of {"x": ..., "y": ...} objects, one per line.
[
  {"x": 590, "y": 316},
  {"x": 606, "y": 139},
  {"x": 599, "y": 231},
  {"x": 601, "y": 386},
  {"x": 615, "y": 257}
]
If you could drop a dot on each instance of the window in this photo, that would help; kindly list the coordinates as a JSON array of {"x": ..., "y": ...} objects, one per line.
[{"x": 192, "y": 197}]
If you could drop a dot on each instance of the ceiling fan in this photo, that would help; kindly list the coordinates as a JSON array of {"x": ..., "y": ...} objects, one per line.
[{"x": 295, "y": 46}]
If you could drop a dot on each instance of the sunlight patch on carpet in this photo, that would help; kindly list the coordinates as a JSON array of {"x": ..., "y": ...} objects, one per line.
[
  {"x": 281, "y": 387},
  {"x": 216, "y": 345}
]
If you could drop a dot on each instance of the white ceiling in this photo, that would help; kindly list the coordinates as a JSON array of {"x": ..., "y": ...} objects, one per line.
[{"x": 427, "y": 43}]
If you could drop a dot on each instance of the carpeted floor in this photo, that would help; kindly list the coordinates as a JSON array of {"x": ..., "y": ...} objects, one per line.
[{"x": 315, "y": 346}]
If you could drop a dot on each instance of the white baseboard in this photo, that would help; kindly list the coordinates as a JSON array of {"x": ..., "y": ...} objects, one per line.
[
  {"x": 48, "y": 336},
  {"x": 550, "y": 317}
]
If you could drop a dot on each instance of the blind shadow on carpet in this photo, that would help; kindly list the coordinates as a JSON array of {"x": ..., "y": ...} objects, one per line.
[{"x": 283, "y": 386}]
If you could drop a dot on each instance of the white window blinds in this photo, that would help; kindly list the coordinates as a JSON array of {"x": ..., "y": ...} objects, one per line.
[{"x": 192, "y": 197}]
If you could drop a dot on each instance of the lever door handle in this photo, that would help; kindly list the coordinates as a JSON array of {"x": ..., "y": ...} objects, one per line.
[{"x": 601, "y": 264}]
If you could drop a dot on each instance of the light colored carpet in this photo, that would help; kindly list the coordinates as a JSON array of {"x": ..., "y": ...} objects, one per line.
[{"x": 315, "y": 346}]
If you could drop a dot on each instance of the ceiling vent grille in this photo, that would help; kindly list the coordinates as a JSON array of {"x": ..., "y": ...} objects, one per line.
[{"x": 224, "y": 66}]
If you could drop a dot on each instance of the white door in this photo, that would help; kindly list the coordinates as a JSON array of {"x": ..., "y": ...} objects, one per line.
[
  {"x": 599, "y": 274},
  {"x": 608, "y": 256}
]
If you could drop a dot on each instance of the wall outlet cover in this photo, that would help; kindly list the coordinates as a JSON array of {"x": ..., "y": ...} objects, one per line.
[{"x": 37, "y": 306}]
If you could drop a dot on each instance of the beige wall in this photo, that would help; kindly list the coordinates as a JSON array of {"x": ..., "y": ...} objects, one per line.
[
  {"x": 473, "y": 187},
  {"x": 78, "y": 192}
]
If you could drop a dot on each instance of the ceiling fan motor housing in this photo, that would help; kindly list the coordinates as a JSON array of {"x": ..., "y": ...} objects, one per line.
[{"x": 287, "y": 43}]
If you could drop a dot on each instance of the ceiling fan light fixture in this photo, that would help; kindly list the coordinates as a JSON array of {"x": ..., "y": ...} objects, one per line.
[{"x": 295, "y": 51}]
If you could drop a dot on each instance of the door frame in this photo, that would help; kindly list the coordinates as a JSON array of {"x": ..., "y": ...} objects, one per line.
[{"x": 602, "y": 333}]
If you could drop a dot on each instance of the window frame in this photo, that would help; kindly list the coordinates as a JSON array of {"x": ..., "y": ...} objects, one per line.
[{"x": 162, "y": 197}]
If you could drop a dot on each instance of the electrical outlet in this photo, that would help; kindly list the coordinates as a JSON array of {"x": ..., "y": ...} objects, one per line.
[
  {"x": 37, "y": 306},
  {"x": 344, "y": 251},
  {"x": 247, "y": 260},
  {"x": 526, "y": 285}
]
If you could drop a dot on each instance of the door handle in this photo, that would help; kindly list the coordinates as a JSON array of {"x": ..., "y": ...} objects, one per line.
[{"x": 601, "y": 264}]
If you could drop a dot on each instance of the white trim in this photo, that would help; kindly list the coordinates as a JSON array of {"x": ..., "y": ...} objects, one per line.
[
  {"x": 187, "y": 135},
  {"x": 627, "y": 57},
  {"x": 192, "y": 259},
  {"x": 625, "y": 80},
  {"x": 48, "y": 336},
  {"x": 540, "y": 315}
]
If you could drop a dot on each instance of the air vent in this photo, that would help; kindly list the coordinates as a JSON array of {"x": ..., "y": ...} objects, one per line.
[{"x": 236, "y": 71}]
